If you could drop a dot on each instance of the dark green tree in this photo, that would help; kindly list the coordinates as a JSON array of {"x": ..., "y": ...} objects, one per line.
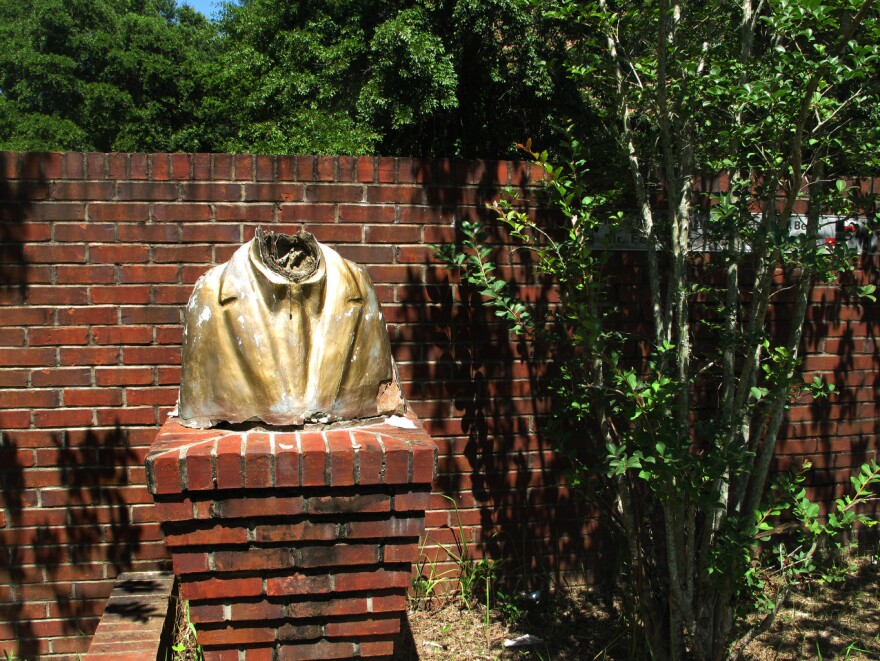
[
  {"x": 419, "y": 77},
  {"x": 430, "y": 77},
  {"x": 101, "y": 74}
]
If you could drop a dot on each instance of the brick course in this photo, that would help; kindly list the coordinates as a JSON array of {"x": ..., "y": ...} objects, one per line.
[{"x": 103, "y": 249}]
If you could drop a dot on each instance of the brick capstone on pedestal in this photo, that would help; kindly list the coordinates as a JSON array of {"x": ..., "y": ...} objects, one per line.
[{"x": 293, "y": 544}]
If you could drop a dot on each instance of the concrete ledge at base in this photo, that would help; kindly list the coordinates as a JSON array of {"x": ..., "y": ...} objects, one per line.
[{"x": 138, "y": 619}]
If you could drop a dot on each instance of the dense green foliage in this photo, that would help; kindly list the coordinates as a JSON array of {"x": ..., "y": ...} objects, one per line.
[
  {"x": 430, "y": 77},
  {"x": 100, "y": 74}
]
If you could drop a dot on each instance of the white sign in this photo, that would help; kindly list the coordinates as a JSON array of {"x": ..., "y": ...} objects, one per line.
[{"x": 832, "y": 229}]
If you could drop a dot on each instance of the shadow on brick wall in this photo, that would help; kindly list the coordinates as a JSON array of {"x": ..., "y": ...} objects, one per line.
[
  {"x": 16, "y": 194},
  {"x": 847, "y": 424},
  {"x": 844, "y": 327},
  {"x": 62, "y": 549},
  {"x": 495, "y": 460}
]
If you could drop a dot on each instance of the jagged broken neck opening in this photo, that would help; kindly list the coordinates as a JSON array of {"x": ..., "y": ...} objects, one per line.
[{"x": 296, "y": 258}]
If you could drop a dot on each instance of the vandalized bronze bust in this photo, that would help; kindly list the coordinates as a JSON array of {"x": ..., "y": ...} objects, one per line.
[{"x": 287, "y": 332}]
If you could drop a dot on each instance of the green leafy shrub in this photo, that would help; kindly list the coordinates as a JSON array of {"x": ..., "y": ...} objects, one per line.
[{"x": 672, "y": 432}]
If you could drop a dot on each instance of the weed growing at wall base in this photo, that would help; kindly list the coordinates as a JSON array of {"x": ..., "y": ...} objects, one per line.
[
  {"x": 185, "y": 645},
  {"x": 473, "y": 581}
]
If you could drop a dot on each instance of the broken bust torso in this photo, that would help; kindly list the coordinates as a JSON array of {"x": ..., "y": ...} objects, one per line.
[{"x": 287, "y": 332}]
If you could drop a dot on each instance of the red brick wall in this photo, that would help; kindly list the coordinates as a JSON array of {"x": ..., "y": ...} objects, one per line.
[{"x": 98, "y": 254}]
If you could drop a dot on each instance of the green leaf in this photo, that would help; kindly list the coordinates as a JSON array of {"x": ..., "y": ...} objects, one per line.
[
  {"x": 867, "y": 292},
  {"x": 632, "y": 381}
]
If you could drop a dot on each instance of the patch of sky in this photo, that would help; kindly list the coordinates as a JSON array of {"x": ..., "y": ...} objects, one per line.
[{"x": 210, "y": 8}]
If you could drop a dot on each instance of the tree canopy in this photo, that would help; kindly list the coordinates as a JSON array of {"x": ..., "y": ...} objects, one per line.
[
  {"x": 100, "y": 74},
  {"x": 426, "y": 77}
]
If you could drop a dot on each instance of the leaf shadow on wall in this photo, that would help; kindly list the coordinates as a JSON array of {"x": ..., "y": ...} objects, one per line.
[
  {"x": 15, "y": 204},
  {"x": 846, "y": 424},
  {"x": 65, "y": 541},
  {"x": 483, "y": 395}
]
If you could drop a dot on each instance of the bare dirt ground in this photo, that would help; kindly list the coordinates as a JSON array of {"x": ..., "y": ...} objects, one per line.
[{"x": 840, "y": 621}]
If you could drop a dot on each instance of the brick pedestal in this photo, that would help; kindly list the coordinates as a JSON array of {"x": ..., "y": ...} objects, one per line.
[{"x": 293, "y": 545}]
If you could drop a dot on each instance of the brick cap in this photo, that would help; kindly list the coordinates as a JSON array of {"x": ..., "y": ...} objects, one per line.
[{"x": 198, "y": 460}]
